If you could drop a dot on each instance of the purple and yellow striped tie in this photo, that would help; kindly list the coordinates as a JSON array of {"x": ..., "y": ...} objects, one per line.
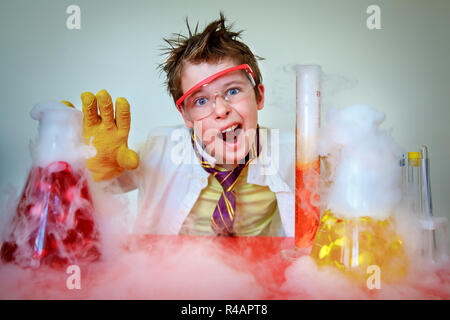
[{"x": 224, "y": 213}]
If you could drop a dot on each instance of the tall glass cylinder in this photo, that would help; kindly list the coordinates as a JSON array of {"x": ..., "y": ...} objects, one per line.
[{"x": 307, "y": 170}]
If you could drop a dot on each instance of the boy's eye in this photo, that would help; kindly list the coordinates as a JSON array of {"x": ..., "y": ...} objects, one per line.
[
  {"x": 200, "y": 102},
  {"x": 233, "y": 91}
]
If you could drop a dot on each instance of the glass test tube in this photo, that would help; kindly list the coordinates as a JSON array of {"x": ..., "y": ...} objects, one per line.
[
  {"x": 414, "y": 182},
  {"x": 418, "y": 190}
]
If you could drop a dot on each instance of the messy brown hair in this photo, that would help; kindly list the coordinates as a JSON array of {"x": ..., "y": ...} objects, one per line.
[{"x": 216, "y": 42}]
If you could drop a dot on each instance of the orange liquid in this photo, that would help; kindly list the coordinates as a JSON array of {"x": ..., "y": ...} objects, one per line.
[{"x": 307, "y": 203}]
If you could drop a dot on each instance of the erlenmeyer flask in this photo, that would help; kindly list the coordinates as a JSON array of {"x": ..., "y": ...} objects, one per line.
[
  {"x": 54, "y": 223},
  {"x": 357, "y": 231}
]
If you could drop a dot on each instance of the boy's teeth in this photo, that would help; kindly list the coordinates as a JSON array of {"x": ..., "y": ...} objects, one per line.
[{"x": 230, "y": 128}]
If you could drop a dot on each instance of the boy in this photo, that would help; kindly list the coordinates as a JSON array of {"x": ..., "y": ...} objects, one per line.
[{"x": 220, "y": 174}]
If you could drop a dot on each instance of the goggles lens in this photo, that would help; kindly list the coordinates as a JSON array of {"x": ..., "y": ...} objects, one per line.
[{"x": 232, "y": 85}]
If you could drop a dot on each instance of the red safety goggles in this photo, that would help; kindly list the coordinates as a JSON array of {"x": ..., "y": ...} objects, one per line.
[{"x": 213, "y": 77}]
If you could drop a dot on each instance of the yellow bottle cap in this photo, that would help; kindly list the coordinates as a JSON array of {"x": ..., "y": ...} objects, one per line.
[
  {"x": 413, "y": 155},
  {"x": 413, "y": 158}
]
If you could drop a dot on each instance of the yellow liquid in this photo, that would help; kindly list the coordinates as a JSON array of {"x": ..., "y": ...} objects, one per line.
[{"x": 352, "y": 245}]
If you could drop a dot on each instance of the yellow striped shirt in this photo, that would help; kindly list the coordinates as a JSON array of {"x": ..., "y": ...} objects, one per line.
[{"x": 256, "y": 209}]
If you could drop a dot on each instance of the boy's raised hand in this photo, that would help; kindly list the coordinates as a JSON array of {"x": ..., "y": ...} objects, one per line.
[{"x": 110, "y": 135}]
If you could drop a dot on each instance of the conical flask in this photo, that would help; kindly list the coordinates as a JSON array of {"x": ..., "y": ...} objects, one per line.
[
  {"x": 358, "y": 231},
  {"x": 54, "y": 220}
]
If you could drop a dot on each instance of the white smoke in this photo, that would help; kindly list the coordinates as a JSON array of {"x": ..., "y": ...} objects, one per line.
[{"x": 362, "y": 163}]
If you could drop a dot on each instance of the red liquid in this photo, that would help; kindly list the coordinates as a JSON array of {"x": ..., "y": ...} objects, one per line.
[
  {"x": 307, "y": 203},
  {"x": 54, "y": 220}
]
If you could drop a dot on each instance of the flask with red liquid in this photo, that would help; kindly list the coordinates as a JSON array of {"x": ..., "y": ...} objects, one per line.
[{"x": 54, "y": 220}]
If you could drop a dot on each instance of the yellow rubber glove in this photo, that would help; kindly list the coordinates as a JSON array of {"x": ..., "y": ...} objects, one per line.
[{"x": 110, "y": 136}]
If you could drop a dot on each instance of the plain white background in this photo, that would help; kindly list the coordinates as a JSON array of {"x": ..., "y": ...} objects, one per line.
[{"x": 402, "y": 70}]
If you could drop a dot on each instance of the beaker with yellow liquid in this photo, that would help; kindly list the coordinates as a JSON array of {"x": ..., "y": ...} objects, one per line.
[
  {"x": 361, "y": 183},
  {"x": 354, "y": 244}
]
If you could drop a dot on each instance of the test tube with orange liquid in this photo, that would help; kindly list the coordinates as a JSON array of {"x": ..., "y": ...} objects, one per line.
[
  {"x": 307, "y": 164},
  {"x": 307, "y": 167}
]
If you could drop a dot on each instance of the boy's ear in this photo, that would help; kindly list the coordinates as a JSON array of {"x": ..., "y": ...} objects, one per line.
[{"x": 260, "y": 101}]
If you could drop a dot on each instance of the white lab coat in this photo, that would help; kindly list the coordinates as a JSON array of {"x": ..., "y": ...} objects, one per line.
[{"x": 170, "y": 178}]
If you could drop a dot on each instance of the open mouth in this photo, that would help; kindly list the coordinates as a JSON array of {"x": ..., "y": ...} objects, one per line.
[{"x": 231, "y": 134}]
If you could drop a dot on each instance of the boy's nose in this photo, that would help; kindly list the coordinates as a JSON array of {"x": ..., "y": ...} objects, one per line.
[{"x": 222, "y": 107}]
